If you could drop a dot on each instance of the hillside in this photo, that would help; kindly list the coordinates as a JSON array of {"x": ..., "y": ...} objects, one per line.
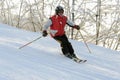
[{"x": 43, "y": 60}]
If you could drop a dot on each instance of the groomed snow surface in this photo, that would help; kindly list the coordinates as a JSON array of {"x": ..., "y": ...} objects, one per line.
[{"x": 43, "y": 59}]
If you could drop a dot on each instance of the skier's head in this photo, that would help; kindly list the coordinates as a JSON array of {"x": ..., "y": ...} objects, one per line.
[{"x": 59, "y": 10}]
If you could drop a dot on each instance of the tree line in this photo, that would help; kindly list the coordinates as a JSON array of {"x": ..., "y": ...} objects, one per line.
[{"x": 99, "y": 19}]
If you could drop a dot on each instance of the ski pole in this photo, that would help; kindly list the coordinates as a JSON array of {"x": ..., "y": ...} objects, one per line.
[
  {"x": 30, "y": 42},
  {"x": 85, "y": 42}
]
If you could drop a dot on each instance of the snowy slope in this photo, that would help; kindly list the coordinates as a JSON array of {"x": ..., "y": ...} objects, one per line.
[{"x": 43, "y": 60}]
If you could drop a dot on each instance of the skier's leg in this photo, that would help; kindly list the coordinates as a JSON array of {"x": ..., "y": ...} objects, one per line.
[
  {"x": 70, "y": 48},
  {"x": 64, "y": 46}
]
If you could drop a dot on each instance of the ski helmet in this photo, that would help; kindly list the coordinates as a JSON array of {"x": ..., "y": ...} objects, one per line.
[{"x": 59, "y": 9}]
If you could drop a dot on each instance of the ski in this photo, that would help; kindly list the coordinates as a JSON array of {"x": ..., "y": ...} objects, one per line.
[
  {"x": 79, "y": 60},
  {"x": 76, "y": 59}
]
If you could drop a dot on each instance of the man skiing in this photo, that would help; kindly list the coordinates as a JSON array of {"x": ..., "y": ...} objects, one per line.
[{"x": 57, "y": 23}]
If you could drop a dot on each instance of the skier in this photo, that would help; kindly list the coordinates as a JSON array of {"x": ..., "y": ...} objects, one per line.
[{"x": 57, "y": 23}]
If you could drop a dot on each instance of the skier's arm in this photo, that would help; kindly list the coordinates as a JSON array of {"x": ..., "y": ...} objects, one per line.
[
  {"x": 71, "y": 24},
  {"x": 48, "y": 23}
]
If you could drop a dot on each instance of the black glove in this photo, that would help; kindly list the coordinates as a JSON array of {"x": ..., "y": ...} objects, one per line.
[
  {"x": 44, "y": 33},
  {"x": 76, "y": 27}
]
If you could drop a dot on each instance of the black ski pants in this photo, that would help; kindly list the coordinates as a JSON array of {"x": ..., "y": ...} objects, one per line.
[{"x": 66, "y": 46}]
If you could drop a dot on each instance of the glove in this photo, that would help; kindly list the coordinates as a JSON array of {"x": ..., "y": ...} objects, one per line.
[
  {"x": 76, "y": 27},
  {"x": 44, "y": 33}
]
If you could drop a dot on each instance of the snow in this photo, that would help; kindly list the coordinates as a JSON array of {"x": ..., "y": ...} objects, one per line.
[{"x": 43, "y": 60}]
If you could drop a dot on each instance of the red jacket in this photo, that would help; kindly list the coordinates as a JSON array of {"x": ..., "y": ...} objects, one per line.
[{"x": 58, "y": 24}]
